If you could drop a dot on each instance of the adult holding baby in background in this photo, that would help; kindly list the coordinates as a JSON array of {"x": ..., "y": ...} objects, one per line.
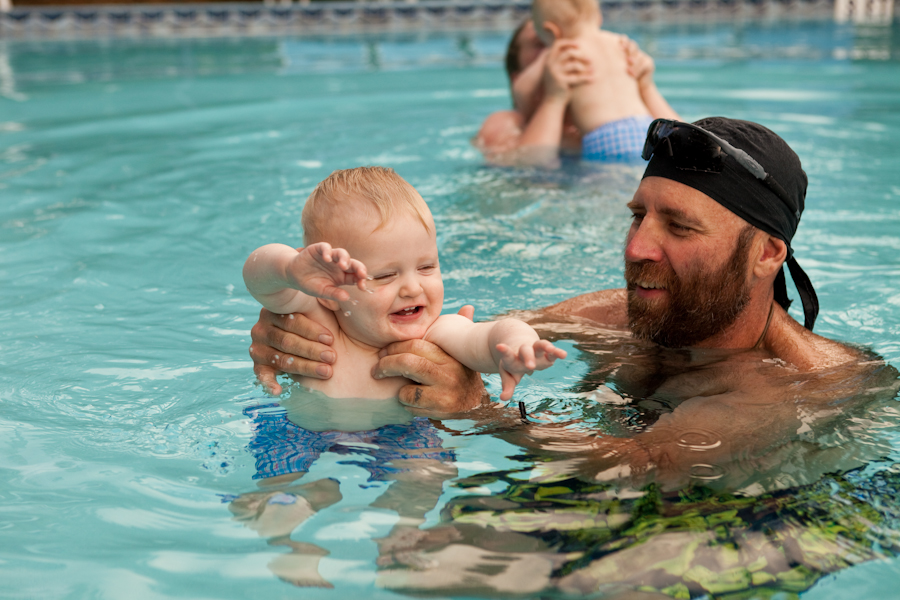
[{"x": 569, "y": 79}]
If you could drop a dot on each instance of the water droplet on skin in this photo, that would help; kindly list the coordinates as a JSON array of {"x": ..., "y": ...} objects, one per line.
[
  {"x": 698, "y": 440},
  {"x": 290, "y": 316},
  {"x": 707, "y": 472},
  {"x": 347, "y": 313},
  {"x": 354, "y": 302},
  {"x": 277, "y": 357},
  {"x": 290, "y": 361}
]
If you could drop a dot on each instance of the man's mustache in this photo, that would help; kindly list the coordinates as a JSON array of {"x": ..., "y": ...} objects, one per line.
[{"x": 653, "y": 273}]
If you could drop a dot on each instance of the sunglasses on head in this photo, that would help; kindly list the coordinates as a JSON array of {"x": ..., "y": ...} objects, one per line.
[{"x": 693, "y": 148}]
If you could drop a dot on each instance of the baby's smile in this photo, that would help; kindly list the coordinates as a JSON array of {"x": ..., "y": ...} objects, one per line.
[{"x": 412, "y": 311}]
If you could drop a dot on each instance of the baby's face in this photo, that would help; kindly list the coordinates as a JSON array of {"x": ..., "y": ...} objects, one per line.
[{"x": 405, "y": 279}]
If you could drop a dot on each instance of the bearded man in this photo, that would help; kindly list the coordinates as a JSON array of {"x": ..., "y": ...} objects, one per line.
[
  {"x": 714, "y": 216},
  {"x": 697, "y": 375}
]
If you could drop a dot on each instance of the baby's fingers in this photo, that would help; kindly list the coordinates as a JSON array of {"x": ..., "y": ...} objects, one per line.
[
  {"x": 321, "y": 251},
  {"x": 550, "y": 351},
  {"x": 341, "y": 259},
  {"x": 508, "y": 382},
  {"x": 357, "y": 271},
  {"x": 547, "y": 354},
  {"x": 506, "y": 354},
  {"x": 526, "y": 357},
  {"x": 333, "y": 292}
]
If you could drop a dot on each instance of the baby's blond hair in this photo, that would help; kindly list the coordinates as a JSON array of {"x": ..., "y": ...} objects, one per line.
[
  {"x": 346, "y": 192},
  {"x": 564, "y": 13}
]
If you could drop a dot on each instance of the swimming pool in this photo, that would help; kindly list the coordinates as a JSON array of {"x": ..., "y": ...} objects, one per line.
[{"x": 136, "y": 177}]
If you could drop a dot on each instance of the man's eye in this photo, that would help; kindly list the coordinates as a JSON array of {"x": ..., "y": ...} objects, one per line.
[
  {"x": 679, "y": 227},
  {"x": 637, "y": 217}
]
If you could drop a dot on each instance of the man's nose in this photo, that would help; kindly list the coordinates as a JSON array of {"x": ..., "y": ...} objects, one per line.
[{"x": 644, "y": 242}]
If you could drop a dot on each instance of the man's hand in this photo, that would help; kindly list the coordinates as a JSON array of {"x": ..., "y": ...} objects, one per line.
[
  {"x": 443, "y": 384},
  {"x": 289, "y": 344}
]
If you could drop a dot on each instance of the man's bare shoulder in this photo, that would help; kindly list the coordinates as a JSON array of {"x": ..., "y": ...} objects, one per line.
[
  {"x": 607, "y": 307},
  {"x": 791, "y": 342},
  {"x": 500, "y": 132}
]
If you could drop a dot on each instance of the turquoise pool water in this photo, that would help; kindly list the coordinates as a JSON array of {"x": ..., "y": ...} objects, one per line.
[{"x": 135, "y": 178}]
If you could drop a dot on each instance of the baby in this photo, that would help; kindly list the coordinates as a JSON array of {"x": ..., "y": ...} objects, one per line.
[
  {"x": 608, "y": 110},
  {"x": 368, "y": 228}
]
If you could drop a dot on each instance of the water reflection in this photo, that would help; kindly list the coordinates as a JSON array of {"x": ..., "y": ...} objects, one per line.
[
  {"x": 672, "y": 472},
  {"x": 396, "y": 449}
]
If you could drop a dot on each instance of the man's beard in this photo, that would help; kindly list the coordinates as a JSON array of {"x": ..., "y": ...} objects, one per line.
[{"x": 700, "y": 304}]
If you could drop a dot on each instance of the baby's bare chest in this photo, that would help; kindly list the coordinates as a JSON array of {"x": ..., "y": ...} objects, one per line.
[{"x": 352, "y": 377}]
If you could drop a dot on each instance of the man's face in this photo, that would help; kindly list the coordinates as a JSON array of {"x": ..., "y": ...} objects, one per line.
[{"x": 686, "y": 264}]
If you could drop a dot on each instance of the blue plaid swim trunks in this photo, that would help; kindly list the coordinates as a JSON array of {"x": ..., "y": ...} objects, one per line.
[
  {"x": 616, "y": 141},
  {"x": 281, "y": 447}
]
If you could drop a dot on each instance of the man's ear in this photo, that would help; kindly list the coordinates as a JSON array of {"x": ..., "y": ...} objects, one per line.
[
  {"x": 331, "y": 305},
  {"x": 770, "y": 255}
]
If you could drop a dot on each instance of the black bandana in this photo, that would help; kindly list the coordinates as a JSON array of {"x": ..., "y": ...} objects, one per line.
[{"x": 739, "y": 191}]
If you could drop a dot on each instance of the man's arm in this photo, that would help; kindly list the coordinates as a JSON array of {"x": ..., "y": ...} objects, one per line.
[
  {"x": 606, "y": 307},
  {"x": 525, "y": 87}
]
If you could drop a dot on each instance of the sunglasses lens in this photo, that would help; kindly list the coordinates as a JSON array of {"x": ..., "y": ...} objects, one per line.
[
  {"x": 695, "y": 151},
  {"x": 659, "y": 130},
  {"x": 690, "y": 149}
]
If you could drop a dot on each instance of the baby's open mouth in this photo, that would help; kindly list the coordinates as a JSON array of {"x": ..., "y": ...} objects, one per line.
[{"x": 408, "y": 312}]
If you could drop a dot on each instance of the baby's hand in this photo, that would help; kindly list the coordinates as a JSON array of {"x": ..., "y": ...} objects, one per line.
[
  {"x": 640, "y": 64},
  {"x": 525, "y": 360},
  {"x": 319, "y": 269}
]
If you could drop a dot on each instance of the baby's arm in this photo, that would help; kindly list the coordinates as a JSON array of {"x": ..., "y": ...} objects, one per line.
[
  {"x": 642, "y": 67},
  {"x": 285, "y": 280},
  {"x": 509, "y": 347}
]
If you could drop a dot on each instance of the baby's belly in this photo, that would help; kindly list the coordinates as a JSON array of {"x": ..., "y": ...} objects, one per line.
[{"x": 355, "y": 386}]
